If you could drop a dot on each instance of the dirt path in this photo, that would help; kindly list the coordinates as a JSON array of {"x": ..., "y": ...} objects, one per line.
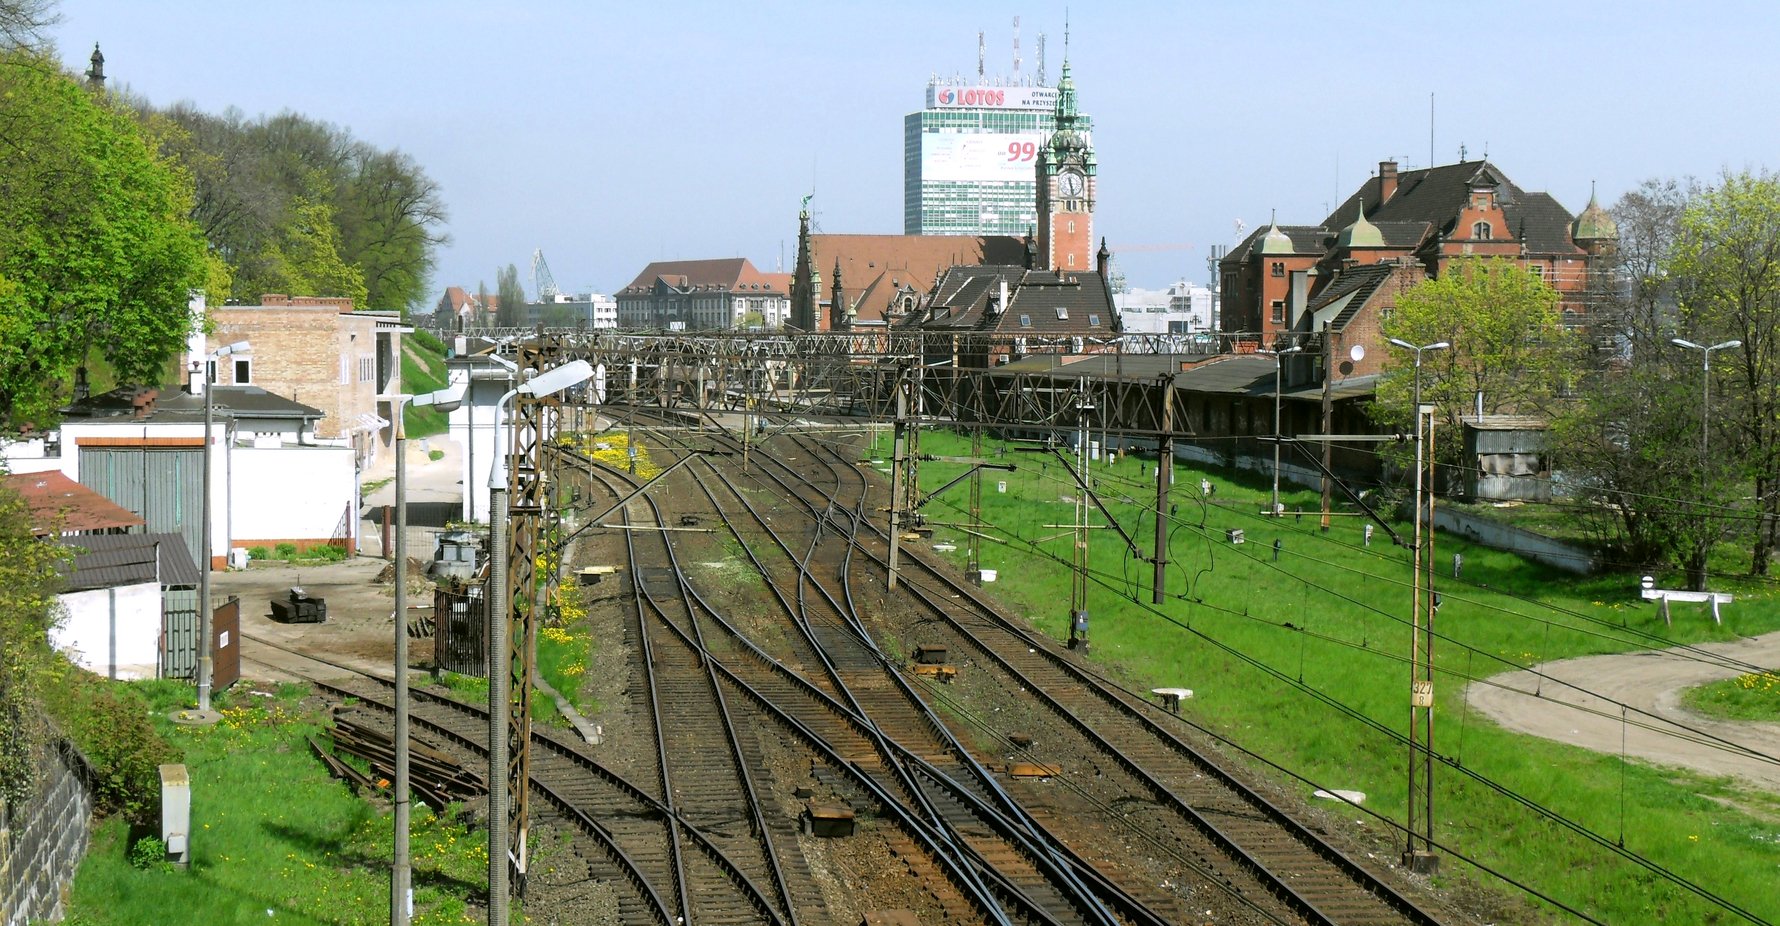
[{"x": 1652, "y": 682}]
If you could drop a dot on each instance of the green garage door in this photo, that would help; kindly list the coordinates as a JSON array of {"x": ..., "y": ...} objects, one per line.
[{"x": 163, "y": 485}]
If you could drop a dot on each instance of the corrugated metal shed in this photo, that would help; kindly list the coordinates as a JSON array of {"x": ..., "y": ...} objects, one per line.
[
  {"x": 61, "y": 505},
  {"x": 128, "y": 559}
]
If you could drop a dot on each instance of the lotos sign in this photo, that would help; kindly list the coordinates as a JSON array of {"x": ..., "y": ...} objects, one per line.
[{"x": 940, "y": 97}]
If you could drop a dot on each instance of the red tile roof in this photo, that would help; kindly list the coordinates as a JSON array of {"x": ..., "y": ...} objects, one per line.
[{"x": 60, "y": 505}]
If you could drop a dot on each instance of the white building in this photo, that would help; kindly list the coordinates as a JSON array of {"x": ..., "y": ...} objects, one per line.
[
  {"x": 270, "y": 483},
  {"x": 1183, "y": 308},
  {"x": 130, "y": 606}
]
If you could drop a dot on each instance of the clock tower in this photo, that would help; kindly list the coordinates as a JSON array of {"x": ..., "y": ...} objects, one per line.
[{"x": 1066, "y": 179}]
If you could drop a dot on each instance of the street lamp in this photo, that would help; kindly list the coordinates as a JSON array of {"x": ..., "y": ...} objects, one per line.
[
  {"x": 1705, "y": 387},
  {"x": 1278, "y": 387},
  {"x": 549, "y": 382},
  {"x": 1421, "y": 651},
  {"x": 401, "y": 901},
  {"x": 204, "y": 656}
]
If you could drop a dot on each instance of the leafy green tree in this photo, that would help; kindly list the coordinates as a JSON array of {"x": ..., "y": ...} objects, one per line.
[
  {"x": 96, "y": 249},
  {"x": 511, "y": 311},
  {"x": 1726, "y": 271},
  {"x": 1508, "y": 345},
  {"x": 28, "y": 582}
]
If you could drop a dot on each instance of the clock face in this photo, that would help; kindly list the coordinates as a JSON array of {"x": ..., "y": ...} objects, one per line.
[{"x": 1070, "y": 184}]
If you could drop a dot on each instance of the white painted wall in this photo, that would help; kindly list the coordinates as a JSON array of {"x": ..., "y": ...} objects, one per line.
[
  {"x": 478, "y": 441},
  {"x": 289, "y": 493},
  {"x": 86, "y": 636}
]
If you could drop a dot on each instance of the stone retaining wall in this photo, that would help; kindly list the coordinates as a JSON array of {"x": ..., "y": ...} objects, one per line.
[{"x": 43, "y": 839}]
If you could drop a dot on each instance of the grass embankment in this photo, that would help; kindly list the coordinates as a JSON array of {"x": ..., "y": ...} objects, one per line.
[
  {"x": 423, "y": 371},
  {"x": 1750, "y": 696},
  {"x": 274, "y": 839},
  {"x": 1302, "y": 657}
]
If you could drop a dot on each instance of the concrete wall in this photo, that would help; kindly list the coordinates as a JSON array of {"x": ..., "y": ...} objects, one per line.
[
  {"x": 115, "y": 632},
  {"x": 42, "y": 840},
  {"x": 1536, "y": 547},
  {"x": 301, "y": 495}
]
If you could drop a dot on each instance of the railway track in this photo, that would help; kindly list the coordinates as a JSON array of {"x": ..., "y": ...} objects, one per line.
[
  {"x": 632, "y": 828},
  {"x": 1245, "y": 832}
]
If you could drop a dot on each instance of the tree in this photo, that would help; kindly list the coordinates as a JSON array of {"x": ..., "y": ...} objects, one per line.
[
  {"x": 1726, "y": 270},
  {"x": 510, "y": 310},
  {"x": 22, "y": 22},
  {"x": 97, "y": 252},
  {"x": 1508, "y": 342},
  {"x": 1629, "y": 444},
  {"x": 28, "y": 582}
]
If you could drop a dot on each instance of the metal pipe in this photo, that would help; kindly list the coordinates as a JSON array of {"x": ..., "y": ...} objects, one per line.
[{"x": 401, "y": 899}]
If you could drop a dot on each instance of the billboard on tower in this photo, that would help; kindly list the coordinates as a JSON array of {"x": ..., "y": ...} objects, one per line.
[{"x": 980, "y": 156}]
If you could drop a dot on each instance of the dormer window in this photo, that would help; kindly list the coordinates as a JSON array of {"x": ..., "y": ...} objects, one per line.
[{"x": 1480, "y": 231}]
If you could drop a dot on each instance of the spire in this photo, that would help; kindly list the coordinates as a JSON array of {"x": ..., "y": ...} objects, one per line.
[
  {"x": 96, "y": 73},
  {"x": 1594, "y": 223},
  {"x": 840, "y": 314},
  {"x": 806, "y": 282}
]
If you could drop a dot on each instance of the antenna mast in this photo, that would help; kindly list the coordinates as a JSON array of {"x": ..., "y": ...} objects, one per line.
[
  {"x": 981, "y": 49},
  {"x": 1041, "y": 59},
  {"x": 1016, "y": 51}
]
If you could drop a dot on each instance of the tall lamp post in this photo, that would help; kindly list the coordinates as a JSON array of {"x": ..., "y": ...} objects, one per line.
[
  {"x": 500, "y": 606},
  {"x": 1279, "y": 357},
  {"x": 401, "y": 895},
  {"x": 1421, "y": 663},
  {"x": 240, "y": 348},
  {"x": 1705, "y": 388}
]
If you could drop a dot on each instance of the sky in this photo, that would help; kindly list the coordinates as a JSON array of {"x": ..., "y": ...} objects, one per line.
[{"x": 613, "y": 134}]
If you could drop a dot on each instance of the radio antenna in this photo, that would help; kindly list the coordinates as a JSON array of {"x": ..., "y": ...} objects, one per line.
[
  {"x": 980, "y": 52},
  {"x": 1041, "y": 59},
  {"x": 1016, "y": 51}
]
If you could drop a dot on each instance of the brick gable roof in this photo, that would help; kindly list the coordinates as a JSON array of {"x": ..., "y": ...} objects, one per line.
[
  {"x": 1436, "y": 196},
  {"x": 875, "y": 268}
]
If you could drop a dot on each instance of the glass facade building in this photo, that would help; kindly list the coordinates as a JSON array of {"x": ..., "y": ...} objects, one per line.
[{"x": 969, "y": 159}]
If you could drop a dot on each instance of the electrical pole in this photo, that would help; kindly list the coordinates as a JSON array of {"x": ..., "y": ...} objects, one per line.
[
  {"x": 898, "y": 487},
  {"x": 1164, "y": 479},
  {"x": 1078, "y": 589},
  {"x": 973, "y": 542},
  {"x": 1328, "y": 419}
]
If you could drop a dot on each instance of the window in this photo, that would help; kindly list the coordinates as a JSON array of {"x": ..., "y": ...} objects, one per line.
[
  {"x": 1536, "y": 270},
  {"x": 1093, "y": 320},
  {"x": 243, "y": 371},
  {"x": 1062, "y": 313},
  {"x": 1072, "y": 226},
  {"x": 366, "y": 369},
  {"x": 1278, "y": 268},
  {"x": 1480, "y": 231},
  {"x": 1025, "y": 321},
  {"x": 1279, "y": 311},
  {"x": 1072, "y": 260}
]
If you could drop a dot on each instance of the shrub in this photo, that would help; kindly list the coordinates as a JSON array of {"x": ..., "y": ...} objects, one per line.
[
  {"x": 435, "y": 455},
  {"x": 148, "y": 852},
  {"x": 329, "y": 552},
  {"x": 258, "y": 553},
  {"x": 286, "y": 550},
  {"x": 109, "y": 723},
  {"x": 427, "y": 340}
]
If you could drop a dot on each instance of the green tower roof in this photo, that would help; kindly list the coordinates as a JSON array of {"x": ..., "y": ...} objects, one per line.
[
  {"x": 1594, "y": 223},
  {"x": 1274, "y": 241},
  {"x": 1361, "y": 234}
]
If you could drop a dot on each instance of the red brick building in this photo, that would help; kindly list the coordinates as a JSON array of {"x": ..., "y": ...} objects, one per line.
[{"x": 1417, "y": 221}]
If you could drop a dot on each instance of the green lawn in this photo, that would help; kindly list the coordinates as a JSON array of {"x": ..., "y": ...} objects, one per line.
[
  {"x": 274, "y": 839},
  {"x": 1304, "y": 661},
  {"x": 423, "y": 371},
  {"x": 1750, "y": 696}
]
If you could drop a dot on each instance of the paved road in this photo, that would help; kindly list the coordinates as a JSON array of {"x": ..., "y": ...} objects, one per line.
[{"x": 1652, "y": 682}]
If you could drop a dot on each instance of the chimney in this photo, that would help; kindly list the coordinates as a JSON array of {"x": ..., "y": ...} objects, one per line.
[
  {"x": 143, "y": 403},
  {"x": 1102, "y": 258},
  {"x": 1387, "y": 180}
]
